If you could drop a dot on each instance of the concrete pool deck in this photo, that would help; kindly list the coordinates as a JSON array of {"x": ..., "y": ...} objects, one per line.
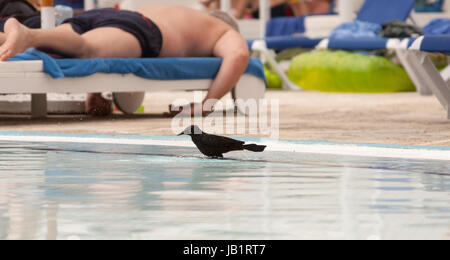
[{"x": 399, "y": 118}]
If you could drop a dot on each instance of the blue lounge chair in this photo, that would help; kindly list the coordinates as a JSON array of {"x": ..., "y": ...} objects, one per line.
[
  {"x": 384, "y": 11},
  {"x": 379, "y": 12},
  {"x": 373, "y": 11}
]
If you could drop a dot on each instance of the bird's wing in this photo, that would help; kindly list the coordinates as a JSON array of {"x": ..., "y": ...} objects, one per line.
[{"x": 214, "y": 140}]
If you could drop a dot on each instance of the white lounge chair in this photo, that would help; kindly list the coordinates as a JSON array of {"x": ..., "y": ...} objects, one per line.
[{"x": 29, "y": 77}]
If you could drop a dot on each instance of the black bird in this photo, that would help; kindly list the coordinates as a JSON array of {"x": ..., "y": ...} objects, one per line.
[{"x": 215, "y": 146}]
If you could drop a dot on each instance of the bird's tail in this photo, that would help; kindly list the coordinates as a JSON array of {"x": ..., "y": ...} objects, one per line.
[{"x": 255, "y": 147}]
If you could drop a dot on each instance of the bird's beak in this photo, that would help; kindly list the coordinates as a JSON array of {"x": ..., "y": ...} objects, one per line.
[{"x": 182, "y": 133}]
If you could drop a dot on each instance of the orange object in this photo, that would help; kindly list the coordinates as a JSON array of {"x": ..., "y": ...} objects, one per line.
[{"x": 47, "y": 3}]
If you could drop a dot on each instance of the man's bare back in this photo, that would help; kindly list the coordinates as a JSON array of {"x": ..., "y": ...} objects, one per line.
[{"x": 186, "y": 32}]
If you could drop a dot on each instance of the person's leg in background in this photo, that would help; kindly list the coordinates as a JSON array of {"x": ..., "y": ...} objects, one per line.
[
  {"x": 65, "y": 41},
  {"x": 299, "y": 7},
  {"x": 302, "y": 7},
  {"x": 319, "y": 6},
  {"x": 240, "y": 7}
]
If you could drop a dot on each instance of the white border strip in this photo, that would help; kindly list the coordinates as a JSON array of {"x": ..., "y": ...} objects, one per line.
[
  {"x": 417, "y": 44},
  {"x": 272, "y": 146}
]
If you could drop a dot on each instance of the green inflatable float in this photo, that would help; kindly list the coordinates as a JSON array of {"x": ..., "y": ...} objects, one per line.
[
  {"x": 340, "y": 71},
  {"x": 273, "y": 81}
]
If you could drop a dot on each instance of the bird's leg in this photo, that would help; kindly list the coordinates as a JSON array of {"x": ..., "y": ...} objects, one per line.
[
  {"x": 196, "y": 109},
  {"x": 216, "y": 157}
]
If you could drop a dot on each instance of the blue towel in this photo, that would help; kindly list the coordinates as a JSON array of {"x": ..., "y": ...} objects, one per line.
[
  {"x": 436, "y": 43},
  {"x": 288, "y": 26},
  {"x": 437, "y": 27},
  {"x": 150, "y": 68},
  {"x": 362, "y": 43},
  {"x": 285, "y": 26},
  {"x": 356, "y": 29}
]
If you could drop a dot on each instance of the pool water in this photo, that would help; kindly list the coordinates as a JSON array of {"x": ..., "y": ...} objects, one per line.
[{"x": 107, "y": 191}]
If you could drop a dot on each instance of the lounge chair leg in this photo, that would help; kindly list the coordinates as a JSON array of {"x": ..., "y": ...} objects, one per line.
[
  {"x": 412, "y": 64},
  {"x": 260, "y": 47},
  {"x": 446, "y": 74},
  {"x": 434, "y": 79},
  {"x": 38, "y": 105}
]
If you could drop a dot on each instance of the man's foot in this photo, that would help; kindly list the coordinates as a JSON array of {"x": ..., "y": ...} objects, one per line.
[
  {"x": 196, "y": 109},
  {"x": 17, "y": 39},
  {"x": 96, "y": 105}
]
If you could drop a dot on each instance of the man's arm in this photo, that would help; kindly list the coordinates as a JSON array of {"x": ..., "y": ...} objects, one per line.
[{"x": 233, "y": 49}]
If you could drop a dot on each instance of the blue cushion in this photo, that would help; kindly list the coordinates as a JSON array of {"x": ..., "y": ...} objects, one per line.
[
  {"x": 436, "y": 43},
  {"x": 356, "y": 29},
  {"x": 373, "y": 11},
  {"x": 368, "y": 43},
  {"x": 284, "y": 42},
  {"x": 150, "y": 68},
  {"x": 285, "y": 26},
  {"x": 385, "y": 11},
  {"x": 437, "y": 27}
]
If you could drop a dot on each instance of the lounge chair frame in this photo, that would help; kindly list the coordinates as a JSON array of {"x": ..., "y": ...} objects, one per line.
[
  {"x": 424, "y": 74},
  {"x": 28, "y": 77}
]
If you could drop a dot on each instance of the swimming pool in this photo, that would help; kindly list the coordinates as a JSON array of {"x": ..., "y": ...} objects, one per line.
[{"x": 125, "y": 187}]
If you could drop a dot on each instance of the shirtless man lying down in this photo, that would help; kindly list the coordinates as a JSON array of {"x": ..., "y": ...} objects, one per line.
[{"x": 152, "y": 31}]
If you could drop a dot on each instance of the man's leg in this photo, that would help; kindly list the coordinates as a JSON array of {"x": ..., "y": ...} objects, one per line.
[
  {"x": 20, "y": 38},
  {"x": 108, "y": 42},
  {"x": 101, "y": 42}
]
